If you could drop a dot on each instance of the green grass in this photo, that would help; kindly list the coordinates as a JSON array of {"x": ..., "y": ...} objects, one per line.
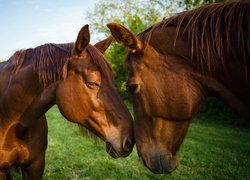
[{"x": 210, "y": 151}]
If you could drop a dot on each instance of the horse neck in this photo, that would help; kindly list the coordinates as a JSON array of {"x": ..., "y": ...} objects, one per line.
[
  {"x": 19, "y": 92},
  {"x": 230, "y": 82}
]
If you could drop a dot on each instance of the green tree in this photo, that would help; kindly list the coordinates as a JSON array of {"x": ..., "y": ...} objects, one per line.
[{"x": 189, "y": 4}]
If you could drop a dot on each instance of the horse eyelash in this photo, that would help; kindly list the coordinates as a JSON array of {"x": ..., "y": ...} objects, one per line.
[{"x": 94, "y": 84}]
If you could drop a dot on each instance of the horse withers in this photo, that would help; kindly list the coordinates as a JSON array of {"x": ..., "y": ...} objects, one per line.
[
  {"x": 77, "y": 78},
  {"x": 175, "y": 65}
]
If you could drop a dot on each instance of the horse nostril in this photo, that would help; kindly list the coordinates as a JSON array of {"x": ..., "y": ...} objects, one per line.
[
  {"x": 128, "y": 144},
  {"x": 133, "y": 88}
]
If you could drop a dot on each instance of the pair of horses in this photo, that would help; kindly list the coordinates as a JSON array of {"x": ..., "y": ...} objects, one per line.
[{"x": 173, "y": 67}]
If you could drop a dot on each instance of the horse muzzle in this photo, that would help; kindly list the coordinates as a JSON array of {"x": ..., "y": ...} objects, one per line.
[
  {"x": 161, "y": 164},
  {"x": 120, "y": 151}
]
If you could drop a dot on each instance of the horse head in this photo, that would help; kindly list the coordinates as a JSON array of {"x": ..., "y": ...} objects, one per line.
[
  {"x": 87, "y": 95},
  {"x": 163, "y": 96}
]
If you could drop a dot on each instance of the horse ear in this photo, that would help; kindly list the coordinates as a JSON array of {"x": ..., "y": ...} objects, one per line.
[
  {"x": 125, "y": 37},
  {"x": 104, "y": 44},
  {"x": 82, "y": 40}
]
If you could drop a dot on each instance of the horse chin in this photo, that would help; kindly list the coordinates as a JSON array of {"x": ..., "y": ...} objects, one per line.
[
  {"x": 111, "y": 151},
  {"x": 115, "y": 153},
  {"x": 169, "y": 164},
  {"x": 161, "y": 164}
]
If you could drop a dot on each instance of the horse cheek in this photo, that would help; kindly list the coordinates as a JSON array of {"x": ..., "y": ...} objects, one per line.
[{"x": 70, "y": 101}]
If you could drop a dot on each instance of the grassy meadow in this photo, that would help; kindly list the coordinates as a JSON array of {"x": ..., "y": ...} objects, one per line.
[{"x": 210, "y": 151}]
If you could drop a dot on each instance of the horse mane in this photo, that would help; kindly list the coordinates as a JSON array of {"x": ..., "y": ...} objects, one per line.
[
  {"x": 215, "y": 32},
  {"x": 49, "y": 59}
]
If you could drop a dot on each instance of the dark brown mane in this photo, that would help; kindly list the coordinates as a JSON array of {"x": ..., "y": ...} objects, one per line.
[
  {"x": 49, "y": 59},
  {"x": 100, "y": 62},
  {"x": 215, "y": 32}
]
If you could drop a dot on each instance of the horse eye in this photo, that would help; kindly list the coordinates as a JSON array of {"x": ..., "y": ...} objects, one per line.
[
  {"x": 94, "y": 84},
  {"x": 133, "y": 88}
]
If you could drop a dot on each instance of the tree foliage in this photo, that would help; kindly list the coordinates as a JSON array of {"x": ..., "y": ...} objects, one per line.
[{"x": 189, "y": 4}]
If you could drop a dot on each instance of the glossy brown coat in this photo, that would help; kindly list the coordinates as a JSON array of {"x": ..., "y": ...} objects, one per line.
[
  {"x": 74, "y": 76},
  {"x": 175, "y": 65}
]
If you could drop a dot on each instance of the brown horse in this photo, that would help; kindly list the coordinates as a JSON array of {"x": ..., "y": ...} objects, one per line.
[
  {"x": 175, "y": 65},
  {"x": 78, "y": 79}
]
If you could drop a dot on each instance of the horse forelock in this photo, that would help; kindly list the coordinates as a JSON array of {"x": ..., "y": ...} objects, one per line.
[
  {"x": 100, "y": 61},
  {"x": 215, "y": 32}
]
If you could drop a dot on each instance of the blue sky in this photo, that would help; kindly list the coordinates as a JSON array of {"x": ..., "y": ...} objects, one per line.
[{"x": 29, "y": 23}]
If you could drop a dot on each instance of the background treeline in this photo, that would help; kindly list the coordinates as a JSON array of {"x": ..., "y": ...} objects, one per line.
[{"x": 138, "y": 15}]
